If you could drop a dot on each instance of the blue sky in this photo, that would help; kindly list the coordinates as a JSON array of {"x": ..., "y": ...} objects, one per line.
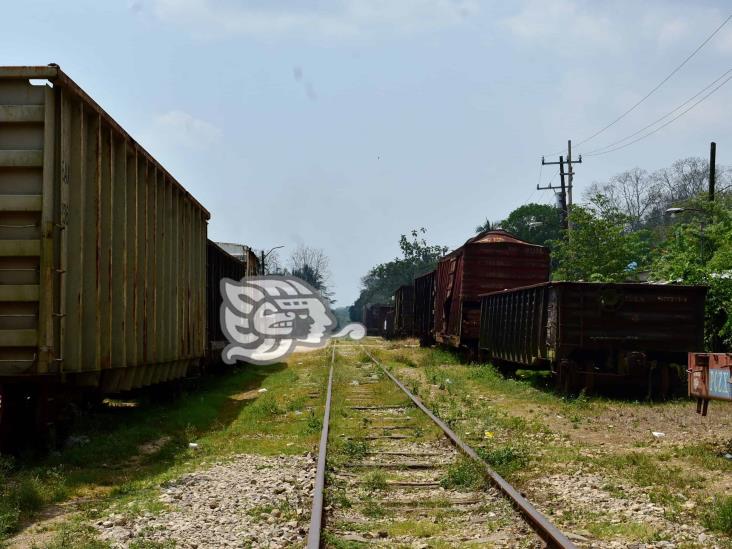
[{"x": 342, "y": 124}]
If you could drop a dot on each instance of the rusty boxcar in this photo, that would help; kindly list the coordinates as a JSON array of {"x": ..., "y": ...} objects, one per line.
[
  {"x": 219, "y": 264},
  {"x": 591, "y": 334},
  {"x": 389, "y": 317},
  {"x": 490, "y": 261},
  {"x": 424, "y": 308},
  {"x": 102, "y": 251},
  {"x": 404, "y": 311},
  {"x": 374, "y": 318}
]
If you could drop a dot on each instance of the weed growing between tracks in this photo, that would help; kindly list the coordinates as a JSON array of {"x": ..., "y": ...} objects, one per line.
[{"x": 126, "y": 450}]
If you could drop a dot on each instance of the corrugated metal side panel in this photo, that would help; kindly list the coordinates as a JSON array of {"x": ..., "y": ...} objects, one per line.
[
  {"x": 121, "y": 254},
  {"x": 644, "y": 317},
  {"x": 27, "y": 118},
  {"x": 219, "y": 264},
  {"x": 513, "y": 324},
  {"x": 448, "y": 307},
  {"x": 502, "y": 266},
  {"x": 374, "y": 317},
  {"x": 404, "y": 311},
  {"x": 424, "y": 305}
]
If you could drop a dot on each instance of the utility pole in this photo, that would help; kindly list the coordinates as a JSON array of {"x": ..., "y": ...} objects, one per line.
[
  {"x": 712, "y": 169},
  {"x": 261, "y": 267},
  {"x": 571, "y": 171},
  {"x": 566, "y": 187},
  {"x": 562, "y": 189}
]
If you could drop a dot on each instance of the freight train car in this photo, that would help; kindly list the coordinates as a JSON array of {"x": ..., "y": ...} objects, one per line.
[
  {"x": 593, "y": 334},
  {"x": 490, "y": 261},
  {"x": 424, "y": 308},
  {"x": 374, "y": 318},
  {"x": 219, "y": 264},
  {"x": 404, "y": 311},
  {"x": 389, "y": 332},
  {"x": 102, "y": 253}
]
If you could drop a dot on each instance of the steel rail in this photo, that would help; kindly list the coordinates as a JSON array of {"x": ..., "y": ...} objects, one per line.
[
  {"x": 316, "y": 513},
  {"x": 549, "y": 533}
]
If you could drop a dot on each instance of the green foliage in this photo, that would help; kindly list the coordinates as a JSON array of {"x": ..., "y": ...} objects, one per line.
[
  {"x": 355, "y": 449},
  {"x": 719, "y": 516},
  {"x": 600, "y": 247},
  {"x": 505, "y": 459},
  {"x": 698, "y": 250},
  {"x": 375, "y": 480},
  {"x": 465, "y": 474},
  {"x": 380, "y": 283},
  {"x": 535, "y": 223}
]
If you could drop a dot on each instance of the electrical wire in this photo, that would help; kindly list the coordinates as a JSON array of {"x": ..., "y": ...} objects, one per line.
[
  {"x": 644, "y": 128},
  {"x": 661, "y": 83},
  {"x": 684, "y": 62},
  {"x": 663, "y": 125}
]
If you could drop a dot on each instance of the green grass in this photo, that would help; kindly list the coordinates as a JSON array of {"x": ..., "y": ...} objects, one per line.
[
  {"x": 505, "y": 459},
  {"x": 374, "y": 481},
  {"x": 628, "y": 530},
  {"x": 133, "y": 449},
  {"x": 463, "y": 475},
  {"x": 719, "y": 517}
]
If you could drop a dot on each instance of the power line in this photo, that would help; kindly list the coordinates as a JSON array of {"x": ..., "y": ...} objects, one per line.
[
  {"x": 644, "y": 128},
  {"x": 663, "y": 125},
  {"x": 686, "y": 60},
  {"x": 673, "y": 72}
]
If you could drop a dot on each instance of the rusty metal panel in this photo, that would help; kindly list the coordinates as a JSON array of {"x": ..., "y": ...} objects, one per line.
[
  {"x": 404, "y": 311},
  {"x": 219, "y": 264},
  {"x": 374, "y": 318},
  {"x": 424, "y": 307},
  {"x": 710, "y": 378},
  {"x": 389, "y": 326},
  {"x": 102, "y": 251},
  {"x": 642, "y": 317},
  {"x": 488, "y": 262},
  {"x": 598, "y": 330},
  {"x": 513, "y": 324}
]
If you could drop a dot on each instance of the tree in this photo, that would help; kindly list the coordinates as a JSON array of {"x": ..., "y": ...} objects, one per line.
[
  {"x": 601, "y": 246},
  {"x": 485, "y": 226},
  {"x": 535, "y": 223},
  {"x": 380, "y": 283},
  {"x": 698, "y": 250},
  {"x": 633, "y": 192},
  {"x": 312, "y": 266}
]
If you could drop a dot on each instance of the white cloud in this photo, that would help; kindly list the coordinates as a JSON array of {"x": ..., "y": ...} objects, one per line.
[
  {"x": 185, "y": 130},
  {"x": 561, "y": 23},
  {"x": 329, "y": 18}
]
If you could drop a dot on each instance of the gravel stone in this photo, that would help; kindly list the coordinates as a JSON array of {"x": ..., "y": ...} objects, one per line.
[{"x": 250, "y": 501}]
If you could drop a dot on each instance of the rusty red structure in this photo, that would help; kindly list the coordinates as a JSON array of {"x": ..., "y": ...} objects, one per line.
[
  {"x": 591, "y": 334},
  {"x": 424, "y": 308},
  {"x": 404, "y": 311},
  {"x": 490, "y": 261},
  {"x": 710, "y": 378}
]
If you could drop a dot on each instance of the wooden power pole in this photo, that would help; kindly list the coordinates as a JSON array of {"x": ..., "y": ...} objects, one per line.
[
  {"x": 712, "y": 169},
  {"x": 565, "y": 189}
]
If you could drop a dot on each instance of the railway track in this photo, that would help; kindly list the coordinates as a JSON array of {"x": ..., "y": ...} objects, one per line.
[{"x": 397, "y": 476}]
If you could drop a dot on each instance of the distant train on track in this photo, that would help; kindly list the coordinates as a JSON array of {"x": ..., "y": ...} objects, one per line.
[
  {"x": 107, "y": 279},
  {"x": 492, "y": 299}
]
